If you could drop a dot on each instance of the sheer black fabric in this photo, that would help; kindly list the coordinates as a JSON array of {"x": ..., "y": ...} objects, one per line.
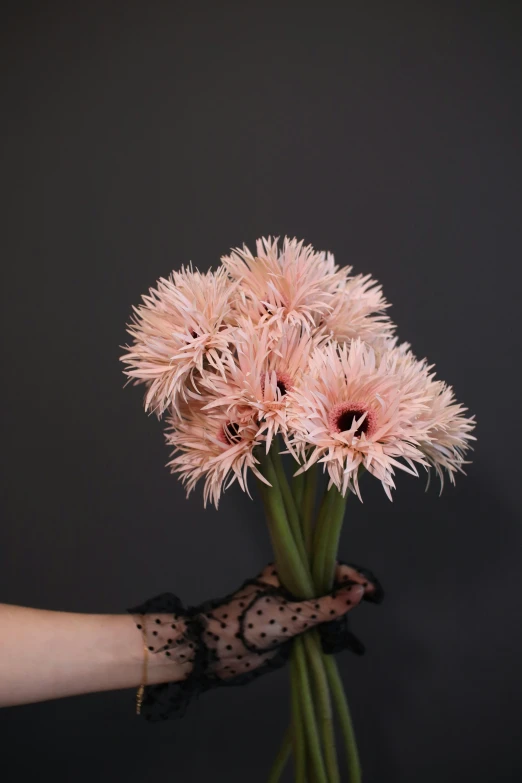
[
  {"x": 232, "y": 640},
  {"x": 337, "y": 635}
]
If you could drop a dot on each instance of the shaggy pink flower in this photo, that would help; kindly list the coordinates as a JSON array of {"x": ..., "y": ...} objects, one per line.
[
  {"x": 209, "y": 445},
  {"x": 360, "y": 408},
  {"x": 358, "y": 312},
  {"x": 294, "y": 284},
  {"x": 182, "y": 326},
  {"x": 448, "y": 429},
  {"x": 260, "y": 374},
  {"x": 449, "y": 432}
]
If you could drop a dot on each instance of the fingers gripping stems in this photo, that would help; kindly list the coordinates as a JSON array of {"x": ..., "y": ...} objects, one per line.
[{"x": 231, "y": 640}]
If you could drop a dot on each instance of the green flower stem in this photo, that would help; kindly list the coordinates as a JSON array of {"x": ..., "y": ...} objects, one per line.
[
  {"x": 308, "y": 712},
  {"x": 343, "y": 712},
  {"x": 321, "y": 537},
  {"x": 283, "y": 568},
  {"x": 294, "y": 572},
  {"x": 298, "y": 485},
  {"x": 326, "y": 544},
  {"x": 290, "y": 506},
  {"x": 313, "y": 659},
  {"x": 301, "y": 727},
  {"x": 331, "y": 534},
  {"x": 281, "y": 759},
  {"x": 298, "y": 728},
  {"x": 295, "y": 575},
  {"x": 300, "y": 583},
  {"x": 311, "y": 640},
  {"x": 308, "y": 507},
  {"x": 312, "y": 647}
]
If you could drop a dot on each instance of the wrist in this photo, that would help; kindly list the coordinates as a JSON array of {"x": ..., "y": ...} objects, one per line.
[{"x": 164, "y": 648}]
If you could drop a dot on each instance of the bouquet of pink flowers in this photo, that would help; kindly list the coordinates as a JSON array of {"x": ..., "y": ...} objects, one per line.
[{"x": 277, "y": 353}]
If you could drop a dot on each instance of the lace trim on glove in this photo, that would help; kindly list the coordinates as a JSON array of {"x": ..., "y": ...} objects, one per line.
[
  {"x": 236, "y": 639},
  {"x": 221, "y": 636},
  {"x": 336, "y": 635}
]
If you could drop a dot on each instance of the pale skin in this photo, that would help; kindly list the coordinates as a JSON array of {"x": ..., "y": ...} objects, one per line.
[{"x": 50, "y": 655}]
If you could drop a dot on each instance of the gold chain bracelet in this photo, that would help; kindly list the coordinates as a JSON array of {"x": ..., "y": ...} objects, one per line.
[{"x": 141, "y": 690}]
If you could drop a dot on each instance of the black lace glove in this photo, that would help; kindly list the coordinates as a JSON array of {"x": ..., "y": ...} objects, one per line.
[
  {"x": 232, "y": 640},
  {"x": 336, "y": 635}
]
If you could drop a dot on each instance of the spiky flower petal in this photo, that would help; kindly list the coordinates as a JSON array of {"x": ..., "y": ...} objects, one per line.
[
  {"x": 182, "y": 326},
  {"x": 259, "y": 376},
  {"x": 381, "y": 411},
  {"x": 358, "y": 311},
  {"x": 209, "y": 445},
  {"x": 293, "y": 284},
  {"x": 284, "y": 341}
]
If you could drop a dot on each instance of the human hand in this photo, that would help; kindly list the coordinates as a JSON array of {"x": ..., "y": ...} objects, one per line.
[
  {"x": 246, "y": 630},
  {"x": 232, "y": 640}
]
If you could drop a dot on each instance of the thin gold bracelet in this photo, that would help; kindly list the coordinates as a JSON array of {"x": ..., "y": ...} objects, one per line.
[{"x": 141, "y": 690}]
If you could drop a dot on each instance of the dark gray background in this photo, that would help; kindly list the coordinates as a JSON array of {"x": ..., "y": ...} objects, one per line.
[{"x": 139, "y": 136}]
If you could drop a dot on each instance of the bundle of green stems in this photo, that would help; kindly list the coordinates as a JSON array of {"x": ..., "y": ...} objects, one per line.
[{"x": 305, "y": 546}]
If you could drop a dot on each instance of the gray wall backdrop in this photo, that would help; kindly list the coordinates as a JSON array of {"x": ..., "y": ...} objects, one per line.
[{"x": 139, "y": 136}]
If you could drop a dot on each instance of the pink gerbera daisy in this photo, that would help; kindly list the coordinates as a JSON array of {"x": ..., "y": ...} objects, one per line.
[
  {"x": 260, "y": 375},
  {"x": 182, "y": 326},
  {"x": 293, "y": 284},
  {"x": 358, "y": 311},
  {"x": 448, "y": 432},
  {"x": 210, "y": 445},
  {"x": 359, "y": 408}
]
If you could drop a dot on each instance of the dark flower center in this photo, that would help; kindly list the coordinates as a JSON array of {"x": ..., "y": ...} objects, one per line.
[
  {"x": 282, "y": 388},
  {"x": 231, "y": 433},
  {"x": 346, "y": 419}
]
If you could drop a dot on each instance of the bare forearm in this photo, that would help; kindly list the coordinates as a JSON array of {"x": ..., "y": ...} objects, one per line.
[{"x": 49, "y": 655}]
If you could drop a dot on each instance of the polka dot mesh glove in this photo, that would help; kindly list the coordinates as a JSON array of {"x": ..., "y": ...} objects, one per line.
[
  {"x": 336, "y": 635},
  {"x": 232, "y": 640}
]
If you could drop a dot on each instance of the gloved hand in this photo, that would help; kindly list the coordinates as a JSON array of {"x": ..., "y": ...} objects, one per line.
[
  {"x": 234, "y": 639},
  {"x": 336, "y": 635}
]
